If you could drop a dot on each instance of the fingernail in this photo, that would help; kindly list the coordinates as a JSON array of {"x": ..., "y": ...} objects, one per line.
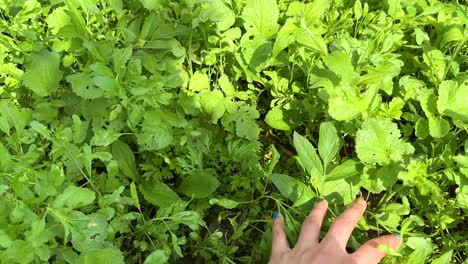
[
  {"x": 360, "y": 200},
  {"x": 397, "y": 236},
  {"x": 276, "y": 215}
]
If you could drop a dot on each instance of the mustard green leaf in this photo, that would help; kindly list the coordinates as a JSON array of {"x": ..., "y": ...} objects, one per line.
[
  {"x": 378, "y": 141},
  {"x": 43, "y": 73},
  {"x": 452, "y": 100},
  {"x": 261, "y": 18}
]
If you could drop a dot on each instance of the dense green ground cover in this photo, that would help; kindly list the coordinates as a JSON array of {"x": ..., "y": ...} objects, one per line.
[{"x": 154, "y": 131}]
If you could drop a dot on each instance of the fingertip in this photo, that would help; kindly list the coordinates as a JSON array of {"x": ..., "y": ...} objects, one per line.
[{"x": 276, "y": 216}]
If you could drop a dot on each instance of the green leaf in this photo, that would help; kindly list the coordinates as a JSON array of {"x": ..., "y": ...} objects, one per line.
[
  {"x": 452, "y": 100},
  {"x": 378, "y": 141},
  {"x": 340, "y": 63},
  {"x": 342, "y": 171},
  {"x": 104, "y": 137},
  {"x": 158, "y": 193},
  {"x": 341, "y": 192},
  {"x": 43, "y": 73},
  {"x": 19, "y": 252},
  {"x": 134, "y": 195},
  {"x": 200, "y": 183},
  {"x": 123, "y": 154},
  {"x": 329, "y": 142},
  {"x": 292, "y": 188},
  {"x": 224, "y": 202},
  {"x": 199, "y": 82},
  {"x": 152, "y": 4},
  {"x": 422, "y": 248},
  {"x": 74, "y": 197},
  {"x": 435, "y": 62},
  {"x": 41, "y": 129},
  {"x": 308, "y": 156},
  {"x": 212, "y": 103},
  {"x": 285, "y": 37},
  {"x": 219, "y": 13},
  {"x": 104, "y": 256},
  {"x": 157, "y": 257},
  {"x": 260, "y": 18},
  {"x": 275, "y": 119},
  {"x": 445, "y": 258}
]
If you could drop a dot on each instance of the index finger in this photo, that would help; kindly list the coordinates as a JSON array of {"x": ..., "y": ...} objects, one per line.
[{"x": 343, "y": 226}]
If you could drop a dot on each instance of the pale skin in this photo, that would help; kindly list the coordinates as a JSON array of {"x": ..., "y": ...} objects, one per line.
[{"x": 332, "y": 248}]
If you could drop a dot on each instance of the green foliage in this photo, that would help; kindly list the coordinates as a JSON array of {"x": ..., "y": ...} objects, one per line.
[{"x": 169, "y": 131}]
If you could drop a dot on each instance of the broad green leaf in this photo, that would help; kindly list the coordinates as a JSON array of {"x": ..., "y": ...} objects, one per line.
[
  {"x": 378, "y": 141},
  {"x": 158, "y": 193},
  {"x": 311, "y": 39},
  {"x": 247, "y": 128},
  {"x": 199, "y": 82},
  {"x": 152, "y": 4},
  {"x": 452, "y": 100},
  {"x": 5, "y": 239},
  {"x": 340, "y": 63},
  {"x": 123, "y": 154},
  {"x": 422, "y": 248},
  {"x": 379, "y": 180},
  {"x": 43, "y": 73},
  {"x": 445, "y": 258},
  {"x": 200, "y": 183},
  {"x": 342, "y": 191},
  {"x": 329, "y": 142},
  {"x": 285, "y": 37},
  {"x": 275, "y": 119},
  {"x": 435, "y": 62},
  {"x": 58, "y": 19},
  {"x": 104, "y": 137},
  {"x": 342, "y": 171},
  {"x": 19, "y": 252},
  {"x": 157, "y": 257},
  {"x": 212, "y": 103},
  {"x": 191, "y": 219},
  {"x": 260, "y": 18},
  {"x": 104, "y": 256},
  {"x": 308, "y": 156},
  {"x": 74, "y": 197},
  {"x": 224, "y": 202},
  {"x": 219, "y": 13},
  {"x": 292, "y": 189},
  {"x": 157, "y": 129}
]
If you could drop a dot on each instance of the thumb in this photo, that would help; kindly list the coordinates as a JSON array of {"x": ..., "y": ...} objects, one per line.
[
  {"x": 369, "y": 252},
  {"x": 279, "y": 240}
]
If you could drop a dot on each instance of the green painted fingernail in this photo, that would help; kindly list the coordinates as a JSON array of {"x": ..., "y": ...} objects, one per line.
[{"x": 397, "y": 236}]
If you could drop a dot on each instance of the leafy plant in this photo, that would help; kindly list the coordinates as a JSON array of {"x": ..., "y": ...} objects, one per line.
[{"x": 169, "y": 131}]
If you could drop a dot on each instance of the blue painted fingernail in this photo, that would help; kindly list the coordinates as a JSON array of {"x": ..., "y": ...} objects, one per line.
[
  {"x": 397, "y": 236},
  {"x": 276, "y": 215}
]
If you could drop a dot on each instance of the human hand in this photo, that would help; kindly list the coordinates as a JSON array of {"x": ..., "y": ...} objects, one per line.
[{"x": 332, "y": 248}]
